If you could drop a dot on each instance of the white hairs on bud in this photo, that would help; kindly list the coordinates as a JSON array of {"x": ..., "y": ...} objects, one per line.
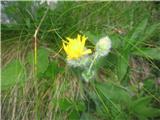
[{"x": 103, "y": 46}]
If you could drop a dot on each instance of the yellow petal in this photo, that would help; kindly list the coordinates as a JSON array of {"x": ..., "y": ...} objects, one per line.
[
  {"x": 79, "y": 37},
  {"x": 65, "y": 42},
  {"x": 65, "y": 48},
  {"x": 69, "y": 39},
  {"x": 88, "y": 51},
  {"x": 84, "y": 40},
  {"x": 75, "y": 47}
]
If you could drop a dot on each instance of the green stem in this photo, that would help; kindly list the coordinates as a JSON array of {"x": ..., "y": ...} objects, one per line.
[{"x": 90, "y": 67}]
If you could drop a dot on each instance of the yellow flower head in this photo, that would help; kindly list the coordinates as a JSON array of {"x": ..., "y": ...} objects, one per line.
[{"x": 75, "y": 48}]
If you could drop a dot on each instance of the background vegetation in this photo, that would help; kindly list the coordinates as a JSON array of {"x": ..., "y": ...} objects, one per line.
[{"x": 127, "y": 83}]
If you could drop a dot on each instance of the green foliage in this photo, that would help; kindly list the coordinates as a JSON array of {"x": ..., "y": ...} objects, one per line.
[
  {"x": 141, "y": 108},
  {"x": 87, "y": 116},
  {"x": 74, "y": 115},
  {"x": 151, "y": 53},
  {"x": 148, "y": 33},
  {"x": 138, "y": 24},
  {"x": 136, "y": 35},
  {"x": 93, "y": 37},
  {"x": 114, "y": 93},
  {"x": 64, "y": 104},
  {"x": 150, "y": 85},
  {"x": 118, "y": 99},
  {"x": 13, "y": 73},
  {"x": 52, "y": 70},
  {"x": 125, "y": 46},
  {"x": 122, "y": 64},
  {"x": 73, "y": 108},
  {"x": 42, "y": 60}
]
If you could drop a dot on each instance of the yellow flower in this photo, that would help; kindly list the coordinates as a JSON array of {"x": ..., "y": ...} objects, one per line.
[{"x": 75, "y": 48}]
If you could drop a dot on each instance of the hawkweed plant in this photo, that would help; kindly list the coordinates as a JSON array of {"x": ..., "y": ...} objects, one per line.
[{"x": 81, "y": 57}]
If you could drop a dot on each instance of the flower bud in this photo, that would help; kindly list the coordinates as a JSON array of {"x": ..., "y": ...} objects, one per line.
[{"x": 103, "y": 46}]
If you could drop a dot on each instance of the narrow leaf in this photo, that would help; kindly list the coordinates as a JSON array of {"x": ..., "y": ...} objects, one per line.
[{"x": 152, "y": 53}]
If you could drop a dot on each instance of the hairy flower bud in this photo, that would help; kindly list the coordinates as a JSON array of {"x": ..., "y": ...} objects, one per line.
[{"x": 103, "y": 46}]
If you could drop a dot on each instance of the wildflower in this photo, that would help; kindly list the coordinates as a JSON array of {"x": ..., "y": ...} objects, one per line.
[
  {"x": 103, "y": 46},
  {"x": 75, "y": 48}
]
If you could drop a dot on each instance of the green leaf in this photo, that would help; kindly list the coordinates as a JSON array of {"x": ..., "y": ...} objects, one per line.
[
  {"x": 80, "y": 106},
  {"x": 152, "y": 53},
  {"x": 139, "y": 30},
  {"x": 149, "y": 84},
  {"x": 87, "y": 116},
  {"x": 122, "y": 64},
  {"x": 116, "y": 41},
  {"x": 121, "y": 116},
  {"x": 65, "y": 104},
  {"x": 42, "y": 60},
  {"x": 52, "y": 70},
  {"x": 136, "y": 35},
  {"x": 141, "y": 107},
  {"x": 141, "y": 102},
  {"x": 114, "y": 93},
  {"x": 74, "y": 115},
  {"x": 13, "y": 73},
  {"x": 148, "y": 33}
]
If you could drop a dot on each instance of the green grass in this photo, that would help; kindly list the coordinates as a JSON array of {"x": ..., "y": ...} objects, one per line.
[{"x": 126, "y": 82}]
